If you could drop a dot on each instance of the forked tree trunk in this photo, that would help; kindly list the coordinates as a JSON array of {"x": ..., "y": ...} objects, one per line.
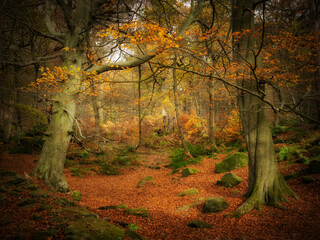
[{"x": 266, "y": 184}]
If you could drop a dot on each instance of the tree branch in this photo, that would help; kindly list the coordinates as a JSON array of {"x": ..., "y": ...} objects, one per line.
[{"x": 48, "y": 22}]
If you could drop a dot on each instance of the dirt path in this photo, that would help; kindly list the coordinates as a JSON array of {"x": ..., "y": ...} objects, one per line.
[{"x": 300, "y": 221}]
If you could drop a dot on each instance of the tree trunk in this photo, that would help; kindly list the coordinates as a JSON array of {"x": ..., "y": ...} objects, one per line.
[
  {"x": 211, "y": 111},
  {"x": 52, "y": 158},
  {"x": 314, "y": 9},
  {"x": 176, "y": 108},
  {"x": 266, "y": 184},
  {"x": 51, "y": 164}
]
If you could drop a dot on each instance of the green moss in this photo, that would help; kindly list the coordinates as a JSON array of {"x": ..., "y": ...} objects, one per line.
[
  {"x": 229, "y": 180},
  {"x": 27, "y": 201},
  {"x": 234, "y": 161},
  {"x": 189, "y": 171},
  {"x": 137, "y": 212},
  {"x": 145, "y": 180},
  {"x": 199, "y": 224},
  {"x": 191, "y": 191},
  {"x": 214, "y": 205},
  {"x": 93, "y": 228},
  {"x": 76, "y": 195}
]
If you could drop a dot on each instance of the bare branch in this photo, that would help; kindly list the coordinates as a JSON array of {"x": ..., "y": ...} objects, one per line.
[{"x": 48, "y": 22}]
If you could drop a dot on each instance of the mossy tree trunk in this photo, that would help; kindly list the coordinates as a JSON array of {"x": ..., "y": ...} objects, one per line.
[
  {"x": 211, "y": 111},
  {"x": 266, "y": 184}
]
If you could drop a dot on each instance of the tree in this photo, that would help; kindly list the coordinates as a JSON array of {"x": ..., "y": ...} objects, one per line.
[
  {"x": 266, "y": 184},
  {"x": 78, "y": 18}
]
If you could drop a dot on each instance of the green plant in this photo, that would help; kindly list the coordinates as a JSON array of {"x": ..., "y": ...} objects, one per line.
[
  {"x": 293, "y": 152},
  {"x": 84, "y": 154},
  {"x": 133, "y": 227},
  {"x": 79, "y": 172},
  {"x": 179, "y": 159},
  {"x": 108, "y": 169}
]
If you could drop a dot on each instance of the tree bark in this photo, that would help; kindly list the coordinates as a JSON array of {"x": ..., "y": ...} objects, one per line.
[
  {"x": 176, "y": 108},
  {"x": 266, "y": 184},
  {"x": 211, "y": 111}
]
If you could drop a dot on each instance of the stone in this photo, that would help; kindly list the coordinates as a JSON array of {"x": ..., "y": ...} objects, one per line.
[
  {"x": 137, "y": 212},
  {"x": 93, "y": 229},
  {"x": 199, "y": 224},
  {"x": 121, "y": 206},
  {"x": 229, "y": 180},
  {"x": 133, "y": 235},
  {"x": 189, "y": 171},
  {"x": 76, "y": 195},
  {"x": 191, "y": 191},
  {"x": 214, "y": 205},
  {"x": 314, "y": 167},
  {"x": 307, "y": 179},
  {"x": 144, "y": 180},
  {"x": 234, "y": 161}
]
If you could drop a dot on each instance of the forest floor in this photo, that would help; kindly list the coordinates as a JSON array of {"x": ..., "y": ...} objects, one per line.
[{"x": 300, "y": 220}]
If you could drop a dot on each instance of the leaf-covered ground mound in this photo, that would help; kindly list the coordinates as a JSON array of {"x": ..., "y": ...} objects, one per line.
[{"x": 169, "y": 214}]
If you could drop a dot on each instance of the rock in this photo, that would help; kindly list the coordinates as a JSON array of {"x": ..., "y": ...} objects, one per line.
[
  {"x": 71, "y": 214},
  {"x": 307, "y": 179},
  {"x": 76, "y": 195},
  {"x": 199, "y": 224},
  {"x": 234, "y": 161},
  {"x": 121, "y": 206},
  {"x": 214, "y": 205},
  {"x": 144, "y": 180},
  {"x": 189, "y": 171},
  {"x": 133, "y": 235},
  {"x": 137, "y": 212},
  {"x": 314, "y": 167},
  {"x": 191, "y": 191},
  {"x": 93, "y": 229},
  {"x": 27, "y": 201},
  {"x": 229, "y": 180}
]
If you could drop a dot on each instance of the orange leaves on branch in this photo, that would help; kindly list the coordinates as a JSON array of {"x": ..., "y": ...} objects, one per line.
[{"x": 142, "y": 33}]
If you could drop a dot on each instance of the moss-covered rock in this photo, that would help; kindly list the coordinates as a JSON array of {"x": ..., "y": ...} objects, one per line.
[
  {"x": 191, "y": 191},
  {"x": 314, "y": 167},
  {"x": 144, "y": 180},
  {"x": 189, "y": 171},
  {"x": 76, "y": 195},
  {"x": 229, "y": 180},
  {"x": 68, "y": 214},
  {"x": 234, "y": 161},
  {"x": 121, "y": 206},
  {"x": 307, "y": 179},
  {"x": 137, "y": 212},
  {"x": 133, "y": 235},
  {"x": 199, "y": 224},
  {"x": 214, "y": 205},
  {"x": 93, "y": 229}
]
